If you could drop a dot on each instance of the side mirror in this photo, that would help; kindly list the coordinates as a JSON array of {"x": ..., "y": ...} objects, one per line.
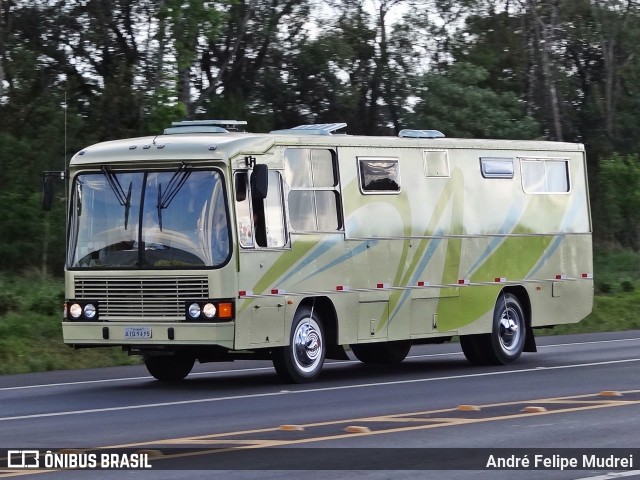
[
  {"x": 260, "y": 181},
  {"x": 47, "y": 188},
  {"x": 47, "y": 193}
]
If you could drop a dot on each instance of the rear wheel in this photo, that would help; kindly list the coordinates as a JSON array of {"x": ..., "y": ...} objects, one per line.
[
  {"x": 388, "y": 353},
  {"x": 505, "y": 343},
  {"x": 302, "y": 360},
  {"x": 169, "y": 368}
]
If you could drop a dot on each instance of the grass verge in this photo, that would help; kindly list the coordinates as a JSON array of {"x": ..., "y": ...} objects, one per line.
[
  {"x": 30, "y": 331},
  {"x": 31, "y": 307}
]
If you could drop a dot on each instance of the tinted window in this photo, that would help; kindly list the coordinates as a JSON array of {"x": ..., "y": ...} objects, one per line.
[{"x": 379, "y": 175}]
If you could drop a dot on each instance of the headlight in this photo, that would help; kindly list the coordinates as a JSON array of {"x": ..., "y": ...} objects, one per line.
[
  {"x": 90, "y": 311},
  {"x": 209, "y": 310},
  {"x": 75, "y": 310},
  {"x": 194, "y": 311},
  {"x": 81, "y": 310}
]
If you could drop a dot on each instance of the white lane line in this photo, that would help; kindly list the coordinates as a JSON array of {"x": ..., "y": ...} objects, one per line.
[
  {"x": 257, "y": 369},
  {"x": 612, "y": 475},
  {"x": 588, "y": 343},
  {"x": 193, "y": 374},
  {"x": 123, "y": 379},
  {"x": 310, "y": 390}
]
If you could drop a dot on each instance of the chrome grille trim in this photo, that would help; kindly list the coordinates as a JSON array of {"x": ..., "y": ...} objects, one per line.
[{"x": 134, "y": 298}]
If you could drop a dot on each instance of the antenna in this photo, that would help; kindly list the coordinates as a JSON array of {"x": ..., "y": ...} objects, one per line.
[{"x": 64, "y": 107}]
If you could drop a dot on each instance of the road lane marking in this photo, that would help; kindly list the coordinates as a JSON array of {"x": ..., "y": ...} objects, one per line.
[
  {"x": 232, "y": 441},
  {"x": 257, "y": 369},
  {"x": 430, "y": 420},
  {"x": 124, "y": 379},
  {"x": 309, "y": 390},
  {"x": 612, "y": 475},
  {"x": 196, "y": 374},
  {"x": 587, "y": 343}
]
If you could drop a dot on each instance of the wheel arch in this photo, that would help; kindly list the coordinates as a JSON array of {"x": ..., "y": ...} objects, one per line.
[{"x": 325, "y": 309}]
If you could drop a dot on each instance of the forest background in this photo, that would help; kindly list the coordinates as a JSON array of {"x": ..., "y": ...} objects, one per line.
[{"x": 75, "y": 72}]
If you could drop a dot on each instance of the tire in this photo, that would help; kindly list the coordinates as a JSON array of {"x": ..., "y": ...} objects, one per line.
[
  {"x": 385, "y": 353},
  {"x": 169, "y": 368},
  {"x": 472, "y": 347},
  {"x": 301, "y": 361},
  {"x": 505, "y": 343}
]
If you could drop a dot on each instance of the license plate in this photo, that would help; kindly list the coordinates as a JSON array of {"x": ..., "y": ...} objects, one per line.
[{"x": 137, "y": 332}]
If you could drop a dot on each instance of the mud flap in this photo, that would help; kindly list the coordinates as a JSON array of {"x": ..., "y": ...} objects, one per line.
[
  {"x": 530, "y": 341},
  {"x": 336, "y": 352}
]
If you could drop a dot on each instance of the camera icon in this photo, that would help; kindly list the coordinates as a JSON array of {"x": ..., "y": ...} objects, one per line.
[{"x": 23, "y": 459}]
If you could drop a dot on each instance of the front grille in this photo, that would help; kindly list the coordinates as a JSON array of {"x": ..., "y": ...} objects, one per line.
[{"x": 157, "y": 298}]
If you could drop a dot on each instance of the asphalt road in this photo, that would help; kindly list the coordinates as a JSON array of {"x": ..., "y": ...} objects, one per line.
[{"x": 579, "y": 392}]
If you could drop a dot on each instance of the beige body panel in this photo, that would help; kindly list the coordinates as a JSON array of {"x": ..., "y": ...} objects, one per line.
[{"x": 426, "y": 261}]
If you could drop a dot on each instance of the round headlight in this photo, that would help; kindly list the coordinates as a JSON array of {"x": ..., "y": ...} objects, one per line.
[
  {"x": 75, "y": 310},
  {"x": 209, "y": 310},
  {"x": 194, "y": 310},
  {"x": 89, "y": 310}
]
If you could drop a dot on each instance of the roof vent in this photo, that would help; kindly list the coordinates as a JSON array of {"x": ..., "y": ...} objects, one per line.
[
  {"x": 408, "y": 133},
  {"x": 206, "y": 126},
  {"x": 318, "y": 129}
]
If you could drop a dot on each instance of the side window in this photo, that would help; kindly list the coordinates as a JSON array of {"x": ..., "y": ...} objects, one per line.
[
  {"x": 545, "y": 175},
  {"x": 495, "y": 167},
  {"x": 273, "y": 231},
  {"x": 243, "y": 210},
  {"x": 314, "y": 198},
  {"x": 260, "y": 221},
  {"x": 379, "y": 175}
]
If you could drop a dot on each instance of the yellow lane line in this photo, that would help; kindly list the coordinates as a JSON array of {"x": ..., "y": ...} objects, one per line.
[
  {"x": 413, "y": 418},
  {"x": 607, "y": 403}
]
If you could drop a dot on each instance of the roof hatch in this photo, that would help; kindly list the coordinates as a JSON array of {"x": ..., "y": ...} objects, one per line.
[
  {"x": 317, "y": 129},
  {"x": 206, "y": 126},
  {"x": 409, "y": 133}
]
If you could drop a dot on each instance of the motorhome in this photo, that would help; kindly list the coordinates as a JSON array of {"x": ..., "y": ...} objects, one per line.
[{"x": 209, "y": 243}]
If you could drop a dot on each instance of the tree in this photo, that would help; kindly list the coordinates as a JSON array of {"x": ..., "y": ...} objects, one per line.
[
  {"x": 620, "y": 180},
  {"x": 456, "y": 104}
]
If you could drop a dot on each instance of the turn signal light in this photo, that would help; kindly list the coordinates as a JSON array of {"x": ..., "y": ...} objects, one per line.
[{"x": 225, "y": 310}]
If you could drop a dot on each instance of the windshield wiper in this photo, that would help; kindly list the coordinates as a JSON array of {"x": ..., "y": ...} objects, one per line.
[
  {"x": 118, "y": 191},
  {"x": 173, "y": 187}
]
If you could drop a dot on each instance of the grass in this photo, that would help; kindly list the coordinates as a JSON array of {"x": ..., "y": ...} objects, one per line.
[
  {"x": 617, "y": 299},
  {"x": 31, "y": 311},
  {"x": 30, "y": 332},
  {"x": 616, "y": 271},
  {"x": 611, "y": 312}
]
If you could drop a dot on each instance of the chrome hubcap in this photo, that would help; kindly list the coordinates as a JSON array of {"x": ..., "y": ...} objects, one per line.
[
  {"x": 307, "y": 345},
  {"x": 510, "y": 330}
]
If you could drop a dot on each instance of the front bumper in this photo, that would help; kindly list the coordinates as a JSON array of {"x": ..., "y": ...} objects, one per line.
[{"x": 162, "y": 333}]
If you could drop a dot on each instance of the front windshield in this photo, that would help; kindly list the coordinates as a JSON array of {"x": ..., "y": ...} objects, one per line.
[{"x": 148, "y": 219}]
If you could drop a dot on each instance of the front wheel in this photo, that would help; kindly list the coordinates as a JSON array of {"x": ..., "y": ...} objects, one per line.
[
  {"x": 505, "y": 343},
  {"x": 301, "y": 360},
  {"x": 169, "y": 368}
]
